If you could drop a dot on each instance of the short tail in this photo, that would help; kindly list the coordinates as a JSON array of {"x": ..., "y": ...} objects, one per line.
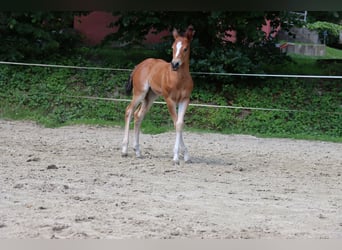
[{"x": 129, "y": 85}]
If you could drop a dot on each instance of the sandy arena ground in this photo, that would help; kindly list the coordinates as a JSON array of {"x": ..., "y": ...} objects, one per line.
[{"x": 72, "y": 182}]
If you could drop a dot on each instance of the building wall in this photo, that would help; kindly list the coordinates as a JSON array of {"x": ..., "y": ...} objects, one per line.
[{"x": 94, "y": 27}]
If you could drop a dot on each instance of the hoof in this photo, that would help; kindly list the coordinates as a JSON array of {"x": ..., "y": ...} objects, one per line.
[
  {"x": 188, "y": 161},
  {"x": 176, "y": 163}
]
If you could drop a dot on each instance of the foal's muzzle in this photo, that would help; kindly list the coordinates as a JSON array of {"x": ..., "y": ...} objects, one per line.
[{"x": 175, "y": 65}]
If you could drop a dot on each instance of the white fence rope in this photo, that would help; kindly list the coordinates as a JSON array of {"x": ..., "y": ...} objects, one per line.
[
  {"x": 191, "y": 104},
  {"x": 194, "y": 73},
  {"x": 202, "y": 105},
  {"x": 62, "y": 66}
]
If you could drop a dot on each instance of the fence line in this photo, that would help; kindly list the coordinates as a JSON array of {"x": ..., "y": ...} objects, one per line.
[
  {"x": 199, "y": 105},
  {"x": 194, "y": 73},
  {"x": 62, "y": 66}
]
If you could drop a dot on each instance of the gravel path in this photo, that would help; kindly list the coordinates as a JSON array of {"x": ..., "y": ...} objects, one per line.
[{"x": 71, "y": 182}]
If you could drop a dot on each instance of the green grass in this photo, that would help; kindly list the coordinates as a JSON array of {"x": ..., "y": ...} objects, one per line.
[
  {"x": 332, "y": 53},
  {"x": 309, "y": 65}
]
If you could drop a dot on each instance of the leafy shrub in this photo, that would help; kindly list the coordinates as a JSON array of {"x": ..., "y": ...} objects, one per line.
[
  {"x": 333, "y": 31},
  {"x": 36, "y": 35}
]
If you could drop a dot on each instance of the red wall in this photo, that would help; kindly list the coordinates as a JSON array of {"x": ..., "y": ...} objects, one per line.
[{"x": 95, "y": 26}]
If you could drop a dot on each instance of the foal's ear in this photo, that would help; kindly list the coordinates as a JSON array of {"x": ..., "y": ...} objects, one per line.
[
  {"x": 175, "y": 33},
  {"x": 190, "y": 32}
]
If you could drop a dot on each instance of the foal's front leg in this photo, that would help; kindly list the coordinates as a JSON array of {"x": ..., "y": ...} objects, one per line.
[
  {"x": 178, "y": 120},
  {"x": 185, "y": 150},
  {"x": 182, "y": 106}
]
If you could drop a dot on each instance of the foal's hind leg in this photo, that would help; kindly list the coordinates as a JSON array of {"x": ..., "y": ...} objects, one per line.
[
  {"x": 139, "y": 116},
  {"x": 128, "y": 116}
]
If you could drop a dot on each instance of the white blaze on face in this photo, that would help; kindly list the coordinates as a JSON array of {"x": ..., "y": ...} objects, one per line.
[{"x": 178, "y": 47}]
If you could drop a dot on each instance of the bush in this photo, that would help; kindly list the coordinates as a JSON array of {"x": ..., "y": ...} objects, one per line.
[
  {"x": 37, "y": 35},
  {"x": 333, "y": 31}
]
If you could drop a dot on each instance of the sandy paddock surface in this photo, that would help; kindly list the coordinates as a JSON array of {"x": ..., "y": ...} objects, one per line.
[{"x": 72, "y": 182}]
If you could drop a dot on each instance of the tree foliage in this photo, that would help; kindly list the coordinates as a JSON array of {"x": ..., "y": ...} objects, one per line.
[
  {"x": 210, "y": 51},
  {"x": 27, "y": 35},
  {"x": 325, "y": 16},
  {"x": 210, "y": 25},
  {"x": 333, "y": 30}
]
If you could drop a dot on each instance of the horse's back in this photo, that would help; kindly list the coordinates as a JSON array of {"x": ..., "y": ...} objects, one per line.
[
  {"x": 148, "y": 65},
  {"x": 149, "y": 73}
]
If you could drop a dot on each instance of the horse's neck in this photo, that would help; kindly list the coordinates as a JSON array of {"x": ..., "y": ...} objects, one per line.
[{"x": 184, "y": 70}]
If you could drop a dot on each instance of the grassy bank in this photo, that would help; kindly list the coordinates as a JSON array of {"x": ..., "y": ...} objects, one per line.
[{"x": 45, "y": 95}]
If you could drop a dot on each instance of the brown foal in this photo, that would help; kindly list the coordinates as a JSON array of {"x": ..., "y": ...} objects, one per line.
[{"x": 155, "y": 77}]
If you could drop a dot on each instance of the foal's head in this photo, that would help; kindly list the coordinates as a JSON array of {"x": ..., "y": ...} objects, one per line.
[{"x": 181, "y": 47}]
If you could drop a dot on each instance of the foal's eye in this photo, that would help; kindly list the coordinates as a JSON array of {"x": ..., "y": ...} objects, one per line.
[{"x": 186, "y": 49}]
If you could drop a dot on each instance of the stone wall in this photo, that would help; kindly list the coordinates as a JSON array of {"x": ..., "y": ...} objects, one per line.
[
  {"x": 301, "y": 35},
  {"x": 303, "y": 41},
  {"x": 307, "y": 49}
]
